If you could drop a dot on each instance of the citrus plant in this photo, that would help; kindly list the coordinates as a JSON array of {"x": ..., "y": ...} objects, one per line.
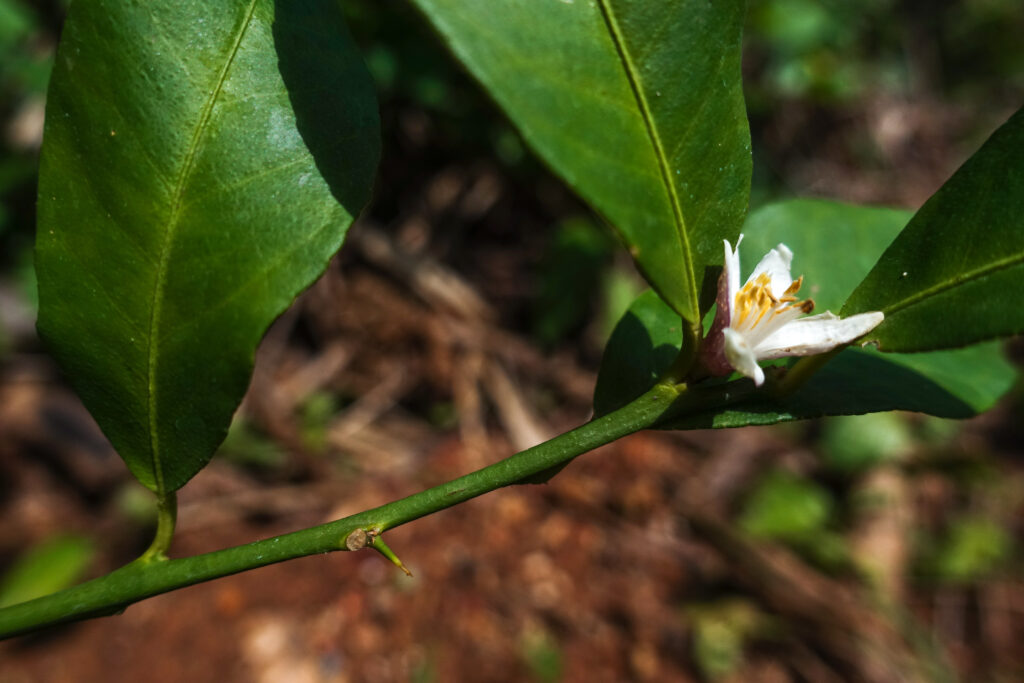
[{"x": 202, "y": 162}]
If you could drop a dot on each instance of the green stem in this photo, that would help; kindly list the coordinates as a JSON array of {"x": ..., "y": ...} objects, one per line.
[
  {"x": 166, "y": 517},
  {"x": 801, "y": 371},
  {"x": 683, "y": 364},
  {"x": 112, "y": 593}
]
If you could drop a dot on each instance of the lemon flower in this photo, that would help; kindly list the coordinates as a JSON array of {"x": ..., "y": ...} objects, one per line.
[{"x": 762, "y": 320}]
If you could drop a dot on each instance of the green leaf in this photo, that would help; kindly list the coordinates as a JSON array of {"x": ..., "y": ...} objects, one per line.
[
  {"x": 953, "y": 277},
  {"x": 202, "y": 161},
  {"x": 51, "y": 566},
  {"x": 642, "y": 346},
  {"x": 637, "y": 105},
  {"x": 956, "y": 384},
  {"x": 836, "y": 244}
]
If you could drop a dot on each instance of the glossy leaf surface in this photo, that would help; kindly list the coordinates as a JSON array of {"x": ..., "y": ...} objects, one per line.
[
  {"x": 836, "y": 243},
  {"x": 637, "y": 105},
  {"x": 202, "y": 161},
  {"x": 955, "y": 275}
]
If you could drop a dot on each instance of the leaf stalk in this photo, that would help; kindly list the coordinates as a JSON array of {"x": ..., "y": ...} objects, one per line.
[{"x": 166, "y": 519}]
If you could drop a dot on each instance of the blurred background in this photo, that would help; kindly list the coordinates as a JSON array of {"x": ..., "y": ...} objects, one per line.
[{"x": 464, "y": 320}]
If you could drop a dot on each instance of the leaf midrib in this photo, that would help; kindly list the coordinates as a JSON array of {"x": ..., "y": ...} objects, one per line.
[
  {"x": 659, "y": 149},
  {"x": 173, "y": 218},
  {"x": 970, "y": 275}
]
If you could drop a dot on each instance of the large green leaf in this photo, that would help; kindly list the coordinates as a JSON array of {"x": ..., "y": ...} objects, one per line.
[
  {"x": 202, "y": 161},
  {"x": 955, "y": 274},
  {"x": 638, "y": 105},
  {"x": 834, "y": 245}
]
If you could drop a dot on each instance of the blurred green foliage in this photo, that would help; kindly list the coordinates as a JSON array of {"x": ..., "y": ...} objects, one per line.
[
  {"x": 972, "y": 549},
  {"x": 48, "y": 567},
  {"x": 315, "y": 416},
  {"x": 24, "y": 62},
  {"x": 413, "y": 73},
  {"x": 722, "y": 629},
  {"x": 786, "y": 507},
  {"x": 569, "y": 276},
  {"x": 424, "y": 672},
  {"x": 833, "y": 51},
  {"x": 828, "y": 50},
  {"x": 799, "y": 512},
  {"x": 979, "y": 43},
  {"x": 27, "y": 39},
  {"x": 854, "y": 443},
  {"x": 247, "y": 446},
  {"x": 543, "y": 656}
]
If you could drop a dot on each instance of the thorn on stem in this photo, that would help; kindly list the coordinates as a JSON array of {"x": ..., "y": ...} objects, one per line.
[{"x": 380, "y": 546}]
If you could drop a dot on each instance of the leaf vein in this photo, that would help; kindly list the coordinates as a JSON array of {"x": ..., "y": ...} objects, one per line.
[
  {"x": 257, "y": 277},
  {"x": 962, "y": 278},
  {"x": 659, "y": 149},
  {"x": 168, "y": 238}
]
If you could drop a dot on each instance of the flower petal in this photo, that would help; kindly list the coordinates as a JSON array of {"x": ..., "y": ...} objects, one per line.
[
  {"x": 777, "y": 264},
  {"x": 816, "y": 334},
  {"x": 741, "y": 356},
  {"x": 731, "y": 269},
  {"x": 770, "y": 324}
]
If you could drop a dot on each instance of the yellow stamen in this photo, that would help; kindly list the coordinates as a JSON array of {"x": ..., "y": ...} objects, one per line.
[
  {"x": 764, "y": 309},
  {"x": 756, "y": 298}
]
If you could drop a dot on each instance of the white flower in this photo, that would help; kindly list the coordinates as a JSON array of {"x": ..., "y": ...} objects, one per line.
[{"x": 761, "y": 320}]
